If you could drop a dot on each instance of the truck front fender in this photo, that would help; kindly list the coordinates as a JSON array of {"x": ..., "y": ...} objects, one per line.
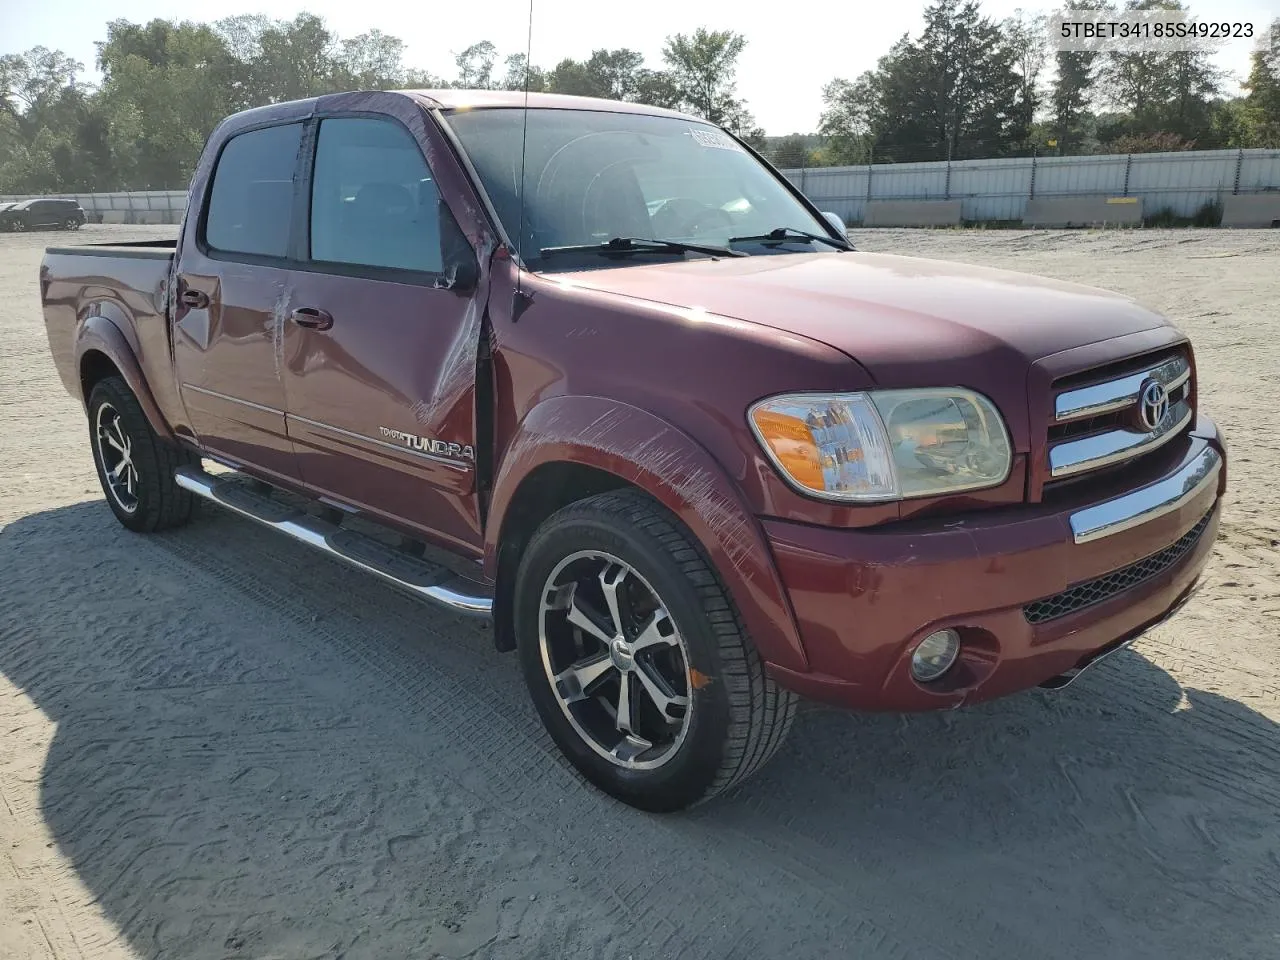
[
  {"x": 651, "y": 454},
  {"x": 99, "y": 333}
]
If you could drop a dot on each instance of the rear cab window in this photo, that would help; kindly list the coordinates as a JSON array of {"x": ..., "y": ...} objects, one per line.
[{"x": 250, "y": 206}]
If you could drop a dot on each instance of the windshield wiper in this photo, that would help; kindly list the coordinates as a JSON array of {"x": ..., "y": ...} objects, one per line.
[
  {"x": 622, "y": 245},
  {"x": 782, "y": 234}
]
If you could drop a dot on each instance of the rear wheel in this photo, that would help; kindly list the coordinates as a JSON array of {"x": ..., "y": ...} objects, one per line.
[
  {"x": 71, "y": 223},
  {"x": 635, "y": 657},
  {"x": 135, "y": 466}
]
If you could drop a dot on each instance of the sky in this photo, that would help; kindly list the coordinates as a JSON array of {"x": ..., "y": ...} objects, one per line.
[{"x": 787, "y": 60}]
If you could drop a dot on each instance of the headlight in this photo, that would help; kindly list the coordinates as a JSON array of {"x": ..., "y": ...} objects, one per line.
[{"x": 884, "y": 445}]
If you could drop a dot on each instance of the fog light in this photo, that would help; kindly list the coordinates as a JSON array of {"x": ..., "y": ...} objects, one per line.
[{"x": 935, "y": 655}]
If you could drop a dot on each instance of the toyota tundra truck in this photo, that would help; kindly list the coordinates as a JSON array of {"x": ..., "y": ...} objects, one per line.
[{"x": 597, "y": 372}]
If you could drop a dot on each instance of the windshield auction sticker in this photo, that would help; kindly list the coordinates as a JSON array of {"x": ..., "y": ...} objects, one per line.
[
  {"x": 712, "y": 138},
  {"x": 1154, "y": 31}
]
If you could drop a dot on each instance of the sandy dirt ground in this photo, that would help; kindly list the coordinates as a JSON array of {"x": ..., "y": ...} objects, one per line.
[{"x": 215, "y": 744}]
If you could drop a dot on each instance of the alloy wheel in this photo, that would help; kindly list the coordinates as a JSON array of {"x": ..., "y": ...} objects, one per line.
[
  {"x": 115, "y": 452},
  {"x": 615, "y": 660}
]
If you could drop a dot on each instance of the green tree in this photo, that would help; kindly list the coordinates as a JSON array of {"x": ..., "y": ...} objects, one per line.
[
  {"x": 167, "y": 83},
  {"x": 849, "y": 117},
  {"x": 612, "y": 74},
  {"x": 32, "y": 81},
  {"x": 1071, "y": 96},
  {"x": 1259, "y": 110},
  {"x": 372, "y": 61},
  {"x": 475, "y": 66},
  {"x": 165, "y": 86},
  {"x": 1028, "y": 37},
  {"x": 520, "y": 74},
  {"x": 299, "y": 58},
  {"x": 789, "y": 152},
  {"x": 955, "y": 92},
  {"x": 1165, "y": 92},
  {"x": 701, "y": 67},
  {"x": 657, "y": 88}
]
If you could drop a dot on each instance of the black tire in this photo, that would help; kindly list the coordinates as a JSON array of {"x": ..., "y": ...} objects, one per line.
[
  {"x": 156, "y": 502},
  {"x": 737, "y": 717},
  {"x": 71, "y": 223},
  {"x": 19, "y": 226}
]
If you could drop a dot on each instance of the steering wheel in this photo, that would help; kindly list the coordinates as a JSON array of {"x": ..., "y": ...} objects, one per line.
[
  {"x": 684, "y": 216},
  {"x": 707, "y": 217}
]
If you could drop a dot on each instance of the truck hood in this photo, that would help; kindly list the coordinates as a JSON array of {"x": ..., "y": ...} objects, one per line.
[{"x": 907, "y": 320}]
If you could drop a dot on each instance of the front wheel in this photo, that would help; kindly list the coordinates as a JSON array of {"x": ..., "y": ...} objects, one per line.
[
  {"x": 19, "y": 226},
  {"x": 635, "y": 657},
  {"x": 135, "y": 466}
]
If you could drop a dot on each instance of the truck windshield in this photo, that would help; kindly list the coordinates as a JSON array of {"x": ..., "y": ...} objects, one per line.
[{"x": 592, "y": 177}]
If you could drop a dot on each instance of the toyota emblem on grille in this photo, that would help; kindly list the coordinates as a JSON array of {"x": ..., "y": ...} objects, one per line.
[{"x": 1153, "y": 404}]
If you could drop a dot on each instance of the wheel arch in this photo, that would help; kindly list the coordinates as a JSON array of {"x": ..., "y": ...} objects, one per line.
[
  {"x": 568, "y": 448},
  {"x": 102, "y": 350}
]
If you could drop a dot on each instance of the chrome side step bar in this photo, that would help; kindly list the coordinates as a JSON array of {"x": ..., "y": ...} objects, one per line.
[{"x": 419, "y": 577}]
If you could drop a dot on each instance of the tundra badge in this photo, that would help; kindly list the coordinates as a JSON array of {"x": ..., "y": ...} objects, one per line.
[{"x": 426, "y": 445}]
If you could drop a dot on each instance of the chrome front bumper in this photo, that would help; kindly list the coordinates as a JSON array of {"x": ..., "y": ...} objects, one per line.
[{"x": 1147, "y": 503}]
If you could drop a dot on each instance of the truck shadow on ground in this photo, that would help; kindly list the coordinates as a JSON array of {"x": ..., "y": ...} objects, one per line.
[{"x": 246, "y": 750}]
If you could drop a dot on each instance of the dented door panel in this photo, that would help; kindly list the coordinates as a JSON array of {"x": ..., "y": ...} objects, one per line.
[{"x": 380, "y": 412}]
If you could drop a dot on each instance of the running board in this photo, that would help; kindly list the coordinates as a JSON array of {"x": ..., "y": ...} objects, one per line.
[{"x": 419, "y": 577}]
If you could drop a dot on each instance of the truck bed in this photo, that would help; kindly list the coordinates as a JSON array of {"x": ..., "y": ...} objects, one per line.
[
  {"x": 147, "y": 249},
  {"x": 122, "y": 284}
]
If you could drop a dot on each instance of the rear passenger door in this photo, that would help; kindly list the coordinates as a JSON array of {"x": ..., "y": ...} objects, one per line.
[
  {"x": 233, "y": 296},
  {"x": 381, "y": 380},
  {"x": 41, "y": 215}
]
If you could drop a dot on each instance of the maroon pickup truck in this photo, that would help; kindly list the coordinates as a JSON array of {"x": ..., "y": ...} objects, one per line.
[{"x": 598, "y": 372}]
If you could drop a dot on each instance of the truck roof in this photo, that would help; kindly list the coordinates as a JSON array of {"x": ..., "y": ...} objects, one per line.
[
  {"x": 455, "y": 99},
  {"x": 461, "y": 99}
]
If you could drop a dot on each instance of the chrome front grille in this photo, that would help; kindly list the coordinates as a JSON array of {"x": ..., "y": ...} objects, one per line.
[{"x": 1125, "y": 415}]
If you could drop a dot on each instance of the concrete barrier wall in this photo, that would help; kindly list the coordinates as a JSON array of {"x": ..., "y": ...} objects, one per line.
[
  {"x": 911, "y": 213},
  {"x": 1083, "y": 211},
  {"x": 1251, "y": 210}
]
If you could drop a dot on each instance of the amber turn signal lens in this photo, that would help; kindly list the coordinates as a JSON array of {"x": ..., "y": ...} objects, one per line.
[{"x": 792, "y": 444}]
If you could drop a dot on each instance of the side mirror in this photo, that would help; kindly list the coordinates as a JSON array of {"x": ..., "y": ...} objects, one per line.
[{"x": 835, "y": 221}]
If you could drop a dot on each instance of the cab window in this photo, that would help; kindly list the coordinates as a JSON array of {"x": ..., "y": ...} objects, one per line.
[
  {"x": 374, "y": 202},
  {"x": 251, "y": 201}
]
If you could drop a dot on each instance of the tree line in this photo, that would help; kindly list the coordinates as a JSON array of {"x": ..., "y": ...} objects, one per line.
[
  {"x": 966, "y": 86},
  {"x": 969, "y": 87},
  {"x": 166, "y": 84}
]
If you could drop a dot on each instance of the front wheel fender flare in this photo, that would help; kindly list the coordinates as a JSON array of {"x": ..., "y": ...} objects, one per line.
[{"x": 649, "y": 453}]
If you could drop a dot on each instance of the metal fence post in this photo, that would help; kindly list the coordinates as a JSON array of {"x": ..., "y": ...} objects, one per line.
[
  {"x": 1128, "y": 165},
  {"x": 948, "y": 183},
  {"x": 1235, "y": 186},
  {"x": 870, "y": 169},
  {"x": 1033, "y": 174}
]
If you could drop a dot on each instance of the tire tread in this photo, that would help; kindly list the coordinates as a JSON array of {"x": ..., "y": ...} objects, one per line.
[
  {"x": 165, "y": 505},
  {"x": 760, "y": 710}
]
